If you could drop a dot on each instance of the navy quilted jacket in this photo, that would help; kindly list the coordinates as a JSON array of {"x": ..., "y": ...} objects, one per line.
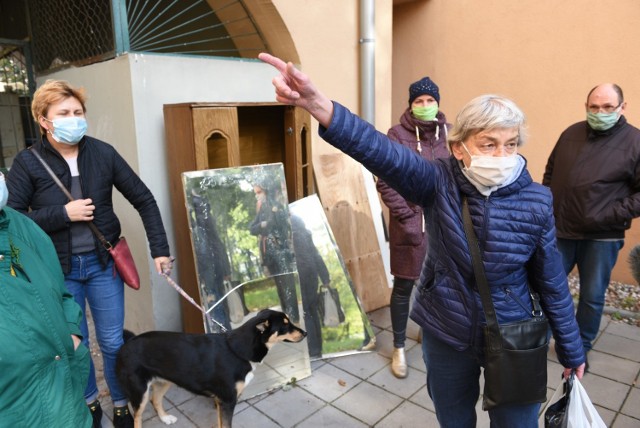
[
  {"x": 515, "y": 229},
  {"x": 33, "y": 192}
]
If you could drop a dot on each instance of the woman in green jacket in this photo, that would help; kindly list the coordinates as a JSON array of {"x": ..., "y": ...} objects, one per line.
[{"x": 43, "y": 366}]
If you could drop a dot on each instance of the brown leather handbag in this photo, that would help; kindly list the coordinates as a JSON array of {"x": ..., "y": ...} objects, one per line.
[{"x": 122, "y": 258}]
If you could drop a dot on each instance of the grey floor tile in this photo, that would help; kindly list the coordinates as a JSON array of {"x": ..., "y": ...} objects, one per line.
[
  {"x": 619, "y": 346},
  {"x": 408, "y": 415},
  {"x": 384, "y": 343},
  {"x": 200, "y": 410},
  {"x": 631, "y": 405},
  {"x": 252, "y": 418},
  {"x": 413, "y": 330},
  {"x": 606, "y": 415},
  {"x": 360, "y": 391},
  {"x": 422, "y": 399},
  {"x": 368, "y": 403},
  {"x": 329, "y": 382},
  {"x": 605, "y": 392},
  {"x": 620, "y": 328},
  {"x": 176, "y": 396},
  {"x": 414, "y": 356},
  {"x": 405, "y": 388},
  {"x": 381, "y": 318},
  {"x": 623, "y": 421},
  {"x": 361, "y": 365},
  {"x": 289, "y": 408},
  {"x": 330, "y": 417},
  {"x": 612, "y": 367}
]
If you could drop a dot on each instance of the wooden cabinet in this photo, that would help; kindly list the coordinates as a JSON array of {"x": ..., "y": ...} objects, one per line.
[{"x": 203, "y": 136}]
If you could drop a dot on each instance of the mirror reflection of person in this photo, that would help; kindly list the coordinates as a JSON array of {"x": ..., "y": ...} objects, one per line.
[
  {"x": 311, "y": 267},
  {"x": 212, "y": 260},
  {"x": 271, "y": 226}
]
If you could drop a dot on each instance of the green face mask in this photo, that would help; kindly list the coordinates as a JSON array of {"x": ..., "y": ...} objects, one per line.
[
  {"x": 425, "y": 113},
  {"x": 602, "y": 121}
]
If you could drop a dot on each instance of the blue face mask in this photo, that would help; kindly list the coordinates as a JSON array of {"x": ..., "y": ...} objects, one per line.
[{"x": 68, "y": 130}]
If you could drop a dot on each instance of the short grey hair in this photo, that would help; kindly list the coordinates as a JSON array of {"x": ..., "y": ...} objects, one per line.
[{"x": 487, "y": 112}]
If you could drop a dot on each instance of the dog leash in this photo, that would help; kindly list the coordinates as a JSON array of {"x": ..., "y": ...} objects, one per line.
[{"x": 190, "y": 299}]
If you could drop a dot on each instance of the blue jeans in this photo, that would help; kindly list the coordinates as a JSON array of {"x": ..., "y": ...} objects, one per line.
[
  {"x": 453, "y": 383},
  {"x": 595, "y": 260},
  {"x": 90, "y": 283}
]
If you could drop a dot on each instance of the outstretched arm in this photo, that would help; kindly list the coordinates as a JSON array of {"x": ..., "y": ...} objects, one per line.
[{"x": 293, "y": 87}]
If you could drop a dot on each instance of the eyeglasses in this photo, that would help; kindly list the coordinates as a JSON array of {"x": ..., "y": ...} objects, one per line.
[{"x": 607, "y": 108}]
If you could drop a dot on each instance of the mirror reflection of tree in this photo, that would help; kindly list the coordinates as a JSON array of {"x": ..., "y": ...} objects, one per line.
[
  {"x": 236, "y": 246},
  {"x": 258, "y": 243}
]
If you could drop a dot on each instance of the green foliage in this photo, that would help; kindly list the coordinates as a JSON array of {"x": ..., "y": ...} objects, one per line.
[
  {"x": 629, "y": 302},
  {"x": 261, "y": 294}
]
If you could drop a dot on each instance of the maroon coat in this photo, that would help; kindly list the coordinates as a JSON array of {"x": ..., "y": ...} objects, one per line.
[{"x": 407, "y": 240}]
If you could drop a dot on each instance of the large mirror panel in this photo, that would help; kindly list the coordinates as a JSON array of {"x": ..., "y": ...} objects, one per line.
[
  {"x": 333, "y": 316},
  {"x": 241, "y": 237}
]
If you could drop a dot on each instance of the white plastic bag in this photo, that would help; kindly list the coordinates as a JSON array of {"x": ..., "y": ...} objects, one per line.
[
  {"x": 581, "y": 412},
  {"x": 331, "y": 315}
]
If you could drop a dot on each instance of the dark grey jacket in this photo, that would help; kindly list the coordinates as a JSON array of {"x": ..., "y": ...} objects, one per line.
[
  {"x": 33, "y": 192},
  {"x": 595, "y": 180}
]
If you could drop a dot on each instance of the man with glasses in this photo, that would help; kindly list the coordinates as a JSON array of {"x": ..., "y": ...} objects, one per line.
[{"x": 594, "y": 175}]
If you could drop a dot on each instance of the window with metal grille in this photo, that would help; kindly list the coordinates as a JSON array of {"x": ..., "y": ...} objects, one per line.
[{"x": 85, "y": 31}]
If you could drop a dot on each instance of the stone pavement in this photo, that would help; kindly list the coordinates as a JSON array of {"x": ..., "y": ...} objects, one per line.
[{"x": 360, "y": 391}]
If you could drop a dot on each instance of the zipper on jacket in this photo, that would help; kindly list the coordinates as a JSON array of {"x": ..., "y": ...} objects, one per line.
[{"x": 534, "y": 312}]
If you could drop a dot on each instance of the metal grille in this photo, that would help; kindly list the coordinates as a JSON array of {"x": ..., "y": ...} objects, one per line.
[
  {"x": 66, "y": 32},
  {"x": 81, "y": 32},
  {"x": 17, "y": 129},
  {"x": 196, "y": 27}
]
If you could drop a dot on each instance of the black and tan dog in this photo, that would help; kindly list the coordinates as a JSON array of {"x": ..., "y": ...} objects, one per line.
[{"x": 215, "y": 365}]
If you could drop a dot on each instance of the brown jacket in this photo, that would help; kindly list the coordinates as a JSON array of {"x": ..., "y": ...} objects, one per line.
[{"x": 407, "y": 240}]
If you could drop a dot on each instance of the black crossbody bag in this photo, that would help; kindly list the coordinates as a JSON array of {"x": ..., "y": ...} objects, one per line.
[{"x": 515, "y": 354}]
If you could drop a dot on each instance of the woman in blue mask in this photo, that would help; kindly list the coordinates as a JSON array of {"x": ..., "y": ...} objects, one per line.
[
  {"x": 423, "y": 129},
  {"x": 89, "y": 169}
]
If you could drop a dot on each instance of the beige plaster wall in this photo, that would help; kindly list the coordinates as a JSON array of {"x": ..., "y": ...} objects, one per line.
[
  {"x": 326, "y": 37},
  {"x": 544, "y": 54}
]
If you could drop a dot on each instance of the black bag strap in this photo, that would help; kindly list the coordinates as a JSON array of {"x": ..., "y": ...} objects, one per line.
[
  {"x": 494, "y": 337},
  {"x": 481, "y": 277},
  {"x": 106, "y": 244}
]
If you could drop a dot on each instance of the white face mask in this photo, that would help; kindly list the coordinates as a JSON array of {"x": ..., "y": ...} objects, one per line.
[{"x": 491, "y": 171}]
